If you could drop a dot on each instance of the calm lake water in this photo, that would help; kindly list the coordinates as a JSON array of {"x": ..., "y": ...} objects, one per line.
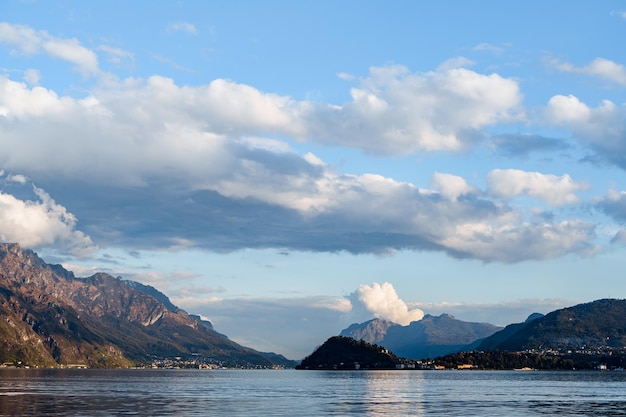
[{"x": 33, "y": 392}]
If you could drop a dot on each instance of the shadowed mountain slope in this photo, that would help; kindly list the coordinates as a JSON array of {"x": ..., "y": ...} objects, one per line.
[{"x": 597, "y": 324}]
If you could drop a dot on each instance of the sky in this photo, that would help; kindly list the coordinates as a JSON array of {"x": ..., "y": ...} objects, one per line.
[{"x": 285, "y": 169}]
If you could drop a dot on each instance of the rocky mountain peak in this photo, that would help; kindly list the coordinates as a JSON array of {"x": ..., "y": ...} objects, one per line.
[
  {"x": 23, "y": 266},
  {"x": 429, "y": 337},
  {"x": 372, "y": 331}
]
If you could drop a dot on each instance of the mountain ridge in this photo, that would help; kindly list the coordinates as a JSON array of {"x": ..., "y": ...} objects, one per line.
[
  {"x": 600, "y": 323},
  {"x": 52, "y": 318},
  {"x": 426, "y": 338},
  {"x": 589, "y": 336}
]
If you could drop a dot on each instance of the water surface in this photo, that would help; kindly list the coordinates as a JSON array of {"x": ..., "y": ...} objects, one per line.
[{"x": 88, "y": 392}]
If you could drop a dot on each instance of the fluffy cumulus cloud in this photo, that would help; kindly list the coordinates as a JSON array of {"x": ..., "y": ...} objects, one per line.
[
  {"x": 382, "y": 301},
  {"x": 603, "y": 128},
  {"x": 371, "y": 213},
  {"x": 399, "y": 112},
  {"x": 28, "y": 41},
  {"x": 197, "y": 161},
  {"x": 599, "y": 67},
  {"x": 40, "y": 222},
  {"x": 514, "y": 243},
  {"x": 205, "y": 165},
  {"x": 551, "y": 189},
  {"x": 135, "y": 129},
  {"x": 451, "y": 186},
  {"x": 160, "y": 124}
]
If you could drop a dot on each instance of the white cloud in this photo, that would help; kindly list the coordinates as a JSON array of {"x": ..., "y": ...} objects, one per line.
[
  {"x": 72, "y": 51},
  {"x": 116, "y": 55},
  {"x": 395, "y": 111},
  {"x": 221, "y": 137},
  {"x": 455, "y": 63},
  {"x": 451, "y": 186},
  {"x": 32, "y": 76},
  {"x": 20, "y": 179},
  {"x": 26, "y": 39},
  {"x": 383, "y": 302},
  {"x": 41, "y": 223},
  {"x": 341, "y": 305},
  {"x": 31, "y": 42},
  {"x": 137, "y": 127},
  {"x": 475, "y": 227},
  {"x": 551, "y": 189},
  {"x": 184, "y": 27},
  {"x": 567, "y": 109},
  {"x": 517, "y": 242},
  {"x": 603, "y": 127},
  {"x": 345, "y": 76},
  {"x": 599, "y": 67}
]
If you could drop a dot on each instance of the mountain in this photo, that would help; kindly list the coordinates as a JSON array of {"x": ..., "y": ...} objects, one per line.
[
  {"x": 595, "y": 325},
  {"x": 372, "y": 331},
  {"x": 51, "y": 318},
  {"x": 492, "y": 342},
  {"x": 427, "y": 338},
  {"x": 340, "y": 352},
  {"x": 150, "y": 290}
]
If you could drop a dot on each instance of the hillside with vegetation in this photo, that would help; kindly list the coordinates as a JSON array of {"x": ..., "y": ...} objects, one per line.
[
  {"x": 591, "y": 326},
  {"x": 585, "y": 336},
  {"x": 341, "y": 352}
]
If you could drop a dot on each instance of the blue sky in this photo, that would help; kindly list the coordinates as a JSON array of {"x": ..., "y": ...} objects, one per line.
[{"x": 288, "y": 168}]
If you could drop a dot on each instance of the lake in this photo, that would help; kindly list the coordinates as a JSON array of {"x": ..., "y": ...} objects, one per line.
[{"x": 89, "y": 392}]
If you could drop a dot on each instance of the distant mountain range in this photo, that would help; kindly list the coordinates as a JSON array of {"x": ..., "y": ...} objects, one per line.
[
  {"x": 585, "y": 336},
  {"x": 427, "y": 338},
  {"x": 51, "y": 318},
  {"x": 578, "y": 336}
]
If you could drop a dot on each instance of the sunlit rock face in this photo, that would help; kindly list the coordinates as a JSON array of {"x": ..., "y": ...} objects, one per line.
[{"x": 52, "y": 318}]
